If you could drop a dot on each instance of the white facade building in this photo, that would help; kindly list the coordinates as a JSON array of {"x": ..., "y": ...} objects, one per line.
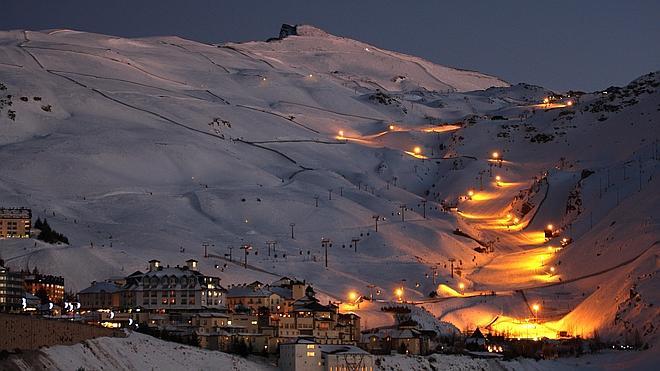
[
  {"x": 174, "y": 288},
  {"x": 303, "y": 355},
  {"x": 306, "y": 355}
]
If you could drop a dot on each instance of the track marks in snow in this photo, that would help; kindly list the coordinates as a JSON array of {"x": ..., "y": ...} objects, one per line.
[
  {"x": 331, "y": 111},
  {"x": 115, "y": 60},
  {"x": 246, "y": 54},
  {"x": 278, "y": 115},
  {"x": 199, "y": 53}
]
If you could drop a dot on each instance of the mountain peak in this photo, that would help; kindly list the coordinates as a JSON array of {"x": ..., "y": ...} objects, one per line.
[{"x": 300, "y": 30}]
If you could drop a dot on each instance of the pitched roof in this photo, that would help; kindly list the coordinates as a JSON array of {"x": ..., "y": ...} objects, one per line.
[
  {"x": 300, "y": 340},
  {"x": 212, "y": 315},
  {"x": 311, "y": 306},
  {"x": 341, "y": 349},
  {"x": 282, "y": 291},
  {"x": 98, "y": 287},
  {"x": 477, "y": 334},
  {"x": 15, "y": 213},
  {"x": 247, "y": 291}
]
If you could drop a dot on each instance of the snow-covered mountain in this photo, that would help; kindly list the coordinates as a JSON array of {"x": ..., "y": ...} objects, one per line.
[{"x": 146, "y": 148}]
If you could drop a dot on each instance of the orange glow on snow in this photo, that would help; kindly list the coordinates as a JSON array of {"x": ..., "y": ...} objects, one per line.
[{"x": 416, "y": 155}]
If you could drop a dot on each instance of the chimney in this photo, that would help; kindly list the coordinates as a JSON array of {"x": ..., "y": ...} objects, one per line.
[
  {"x": 191, "y": 264},
  {"x": 154, "y": 264}
]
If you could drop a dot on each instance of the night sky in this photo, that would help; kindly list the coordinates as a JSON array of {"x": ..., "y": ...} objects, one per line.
[{"x": 561, "y": 45}]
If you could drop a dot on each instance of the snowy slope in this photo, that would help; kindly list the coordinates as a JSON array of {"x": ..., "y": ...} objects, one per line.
[
  {"x": 356, "y": 64},
  {"x": 139, "y": 148},
  {"x": 136, "y": 352}
]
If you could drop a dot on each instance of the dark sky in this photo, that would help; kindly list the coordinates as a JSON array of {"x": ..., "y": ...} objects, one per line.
[{"x": 562, "y": 44}]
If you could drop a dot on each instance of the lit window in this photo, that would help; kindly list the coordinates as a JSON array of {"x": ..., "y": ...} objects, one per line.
[
  {"x": 310, "y": 354},
  {"x": 310, "y": 346}
]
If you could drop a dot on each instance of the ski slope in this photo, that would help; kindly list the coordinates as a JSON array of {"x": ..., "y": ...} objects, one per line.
[{"x": 146, "y": 148}]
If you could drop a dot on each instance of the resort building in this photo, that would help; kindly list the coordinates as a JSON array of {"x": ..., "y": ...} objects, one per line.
[
  {"x": 15, "y": 222},
  {"x": 51, "y": 286},
  {"x": 160, "y": 289},
  {"x": 11, "y": 290}
]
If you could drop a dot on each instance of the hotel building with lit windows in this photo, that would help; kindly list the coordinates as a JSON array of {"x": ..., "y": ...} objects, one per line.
[
  {"x": 171, "y": 289},
  {"x": 15, "y": 222},
  {"x": 52, "y": 286},
  {"x": 11, "y": 290}
]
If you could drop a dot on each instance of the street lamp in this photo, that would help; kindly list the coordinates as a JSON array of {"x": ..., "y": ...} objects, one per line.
[
  {"x": 470, "y": 194},
  {"x": 536, "y": 308},
  {"x": 371, "y": 291},
  {"x": 417, "y": 150},
  {"x": 461, "y": 286},
  {"x": 246, "y": 247},
  {"x": 325, "y": 243},
  {"x": 399, "y": 293},
  {"x": 495, "y": 155},
  {"x": 341, "y": 133},
  {"x": 549, "y": 231},
  {"x": 391, "y": 127},
  {"x": 498, "y": 179}
]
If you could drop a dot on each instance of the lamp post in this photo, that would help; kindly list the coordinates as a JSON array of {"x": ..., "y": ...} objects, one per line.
[
  {"x": 549, "y": 231},
  {"x": 400, "y": 290},
  {"x": 206, "y": 246},
  {"x": 354, "y": 242},
  {"x": 536, "y": 308},
  {"x": 325, "y": 243},
  {"x": 230, "y": 250},
  {"x": 271, "y": 244},
  {"x": 495, "y": 156},
  {"x": 371, "y": 291},
  {"x": 292, "y": 225},
  {"x": 246, "y": 248},
  {"x": 451, "y": 261},
  {"x": 376, "y": 219}
]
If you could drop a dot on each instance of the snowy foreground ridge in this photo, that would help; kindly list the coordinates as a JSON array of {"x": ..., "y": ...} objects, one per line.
[
  {"x": 138, "y": 149},
  {"x": 143, "y": 352}
]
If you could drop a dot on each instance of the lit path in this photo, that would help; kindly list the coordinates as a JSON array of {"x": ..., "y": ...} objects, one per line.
[
  {"x": 372, "y": 139},
  {"x": 517, "y": 270},
  {"x": 549, "y": 283},
  {"x": 549, "y": 105}
]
